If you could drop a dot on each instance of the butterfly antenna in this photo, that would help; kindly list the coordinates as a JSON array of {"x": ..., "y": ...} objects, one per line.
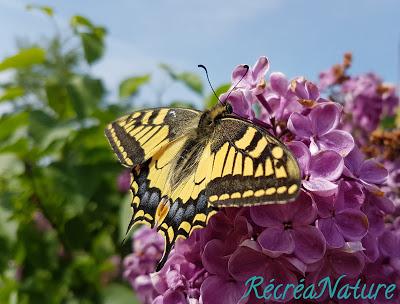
[
  {"x": 247, "y": 70},
  {"x": 209, "y": 82}
]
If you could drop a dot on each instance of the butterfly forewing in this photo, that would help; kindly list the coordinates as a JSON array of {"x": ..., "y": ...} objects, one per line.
[
  {"x": 136, "y": 137},
  {"x": 249, "y": 166}
]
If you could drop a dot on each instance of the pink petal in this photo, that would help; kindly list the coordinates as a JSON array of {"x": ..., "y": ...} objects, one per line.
[
  {"x": 268, "y": 215},
  {"x": 309, "y": 244},
  {"x": 302, "y": 210},
  {"x": 325, "y": 205},
  {"x": 370, "y": 243},
  {"x": 279, "y": 83},
  {"x": 246, "y": 262},
  {"x": 217, "y": 290},
  {"x": 238, "y": 74},
  {"x": 260, "y": 68},
  {"x": 353, "y": 224},
  {"x": 300, "y": 125},
  {"x": 174, "y": 297},
  {"x": 314, "y": 146},
  {"x": 320, "y": 186},
  {"x": 383, "y": 203},
  {"x": 350, "y": 264},
  {"x": 354, "y": 160},
  {"x": 313, "y": 91},
  {"x": 389, "y": 243},
  {"x": 333, "y": 237},
  {"x": 241, "y": 106},
  {"x": 337, "y": 140},
  {"x": 375, "y": 219},
  {"x": 350, "y": 195},
  {"x": 302, "y": 155},
  {"x": 214, "y": 257},
  {"x": 276, "y": 240},
  {"x": 373, "y": 172},
  {"x": 325, "y": 117},
  {"x": 299, "y": 86},
  {"x": 326, "y": 165}
]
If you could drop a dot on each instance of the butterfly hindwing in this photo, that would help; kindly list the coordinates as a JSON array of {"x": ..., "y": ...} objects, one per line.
[
  {"x": 249, "y": 166},
  {"x": 175, "y": 214},
  {"x": 137, "y": 136}
]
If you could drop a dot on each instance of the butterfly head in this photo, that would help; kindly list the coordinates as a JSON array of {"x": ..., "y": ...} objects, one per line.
[{"x": 210, "y": 117}]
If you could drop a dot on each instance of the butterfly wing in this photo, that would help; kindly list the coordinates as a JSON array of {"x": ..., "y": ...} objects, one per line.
[
  {"x": 249, "y": 166},
  {"x": 148, "y": 142},
  {"x": 174, "y": 212},
  {"x": 137, "y": 136}
]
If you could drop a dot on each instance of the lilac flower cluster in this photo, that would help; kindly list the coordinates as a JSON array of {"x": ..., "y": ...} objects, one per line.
[
  {"x": 341, "y": 223},
  {"x": 367, "y": 99}
]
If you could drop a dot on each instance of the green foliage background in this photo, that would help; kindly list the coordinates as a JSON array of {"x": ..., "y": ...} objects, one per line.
[{"x": 62, "y": 218}]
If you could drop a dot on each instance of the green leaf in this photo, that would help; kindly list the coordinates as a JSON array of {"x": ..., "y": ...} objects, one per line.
[
  {"x": 49, "y": 11},
  {"x": 118, "y": 294},
  {"x": 13, "y": 133},
  {"x": 10, "y": 165},
  {"x": 12, "y": 93},
  {"x": 93, "y": 46},
  {"x": 76, "y": 233},
  {"x": 78, "y": 20},
  {"x": 25, "y": 58},
  {"x": 190, "y": 80},
  {"x": 8, "y": 227},
  {"x": 103, "y": 246},
  {"x": 40, "y": 123},
  {"x": 388, "y": 122},
  {"x": 131, "y": 85},
  {"x": 9, "y": 124},
  {"x": 57, "y": 97},
  {"x": 92, "y": 37},
  {"x": 85, "y": 94},
  {"x": 211, "y": 100}
]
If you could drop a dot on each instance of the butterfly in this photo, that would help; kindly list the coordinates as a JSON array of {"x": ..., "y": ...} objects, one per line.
[{"x": 186, "y": 164}]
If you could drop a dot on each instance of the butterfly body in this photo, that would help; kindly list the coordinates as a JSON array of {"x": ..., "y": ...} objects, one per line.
[{"x": 186, "y": 164}]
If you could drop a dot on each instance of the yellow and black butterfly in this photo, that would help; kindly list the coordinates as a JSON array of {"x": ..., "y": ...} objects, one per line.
[{"x": 185, "y": 164}]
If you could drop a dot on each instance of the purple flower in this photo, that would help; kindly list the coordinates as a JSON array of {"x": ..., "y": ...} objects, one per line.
[
  {"x": 305, "y": 90},
  {"x": 368, "y": 100},
  {"x": 371, "y": 249},
  {"x": 340, "y": 217},
  {"x": 319, "y": 128},
  {"x": 254, "y": 80},
  {"x": 289, "y": 230},
  {"x": 278, "y": 100},
  {"x": 335, "y": 263},
  {"x": 389, "y": 241},
  {"x": 250, "y": 260},
  {"x": 177, "y": 282},
  {"x": 124, "y": 181},
  {"x": 251, "y": 84},
  {"x": 369, "y": 172},
  {"x": 341, "y": 223},
  {"x": 320, "y": 170},
  {"x": 147, "y": 250}
]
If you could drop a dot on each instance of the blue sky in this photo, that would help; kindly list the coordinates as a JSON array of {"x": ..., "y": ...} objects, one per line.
[{"x": 300, "y": 37}]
